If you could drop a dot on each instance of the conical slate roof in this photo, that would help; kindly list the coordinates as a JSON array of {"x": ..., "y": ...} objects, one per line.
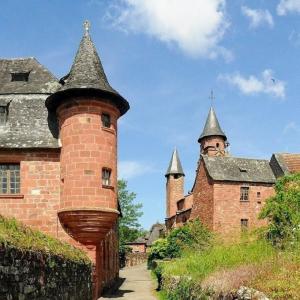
[
  {"x": 212, "y": 126},
  {"x": 87, "y": 75},
  {"x": 175, "y": 166}
]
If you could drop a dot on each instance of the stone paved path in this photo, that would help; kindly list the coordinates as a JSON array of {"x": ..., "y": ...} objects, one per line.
[{"x": 135, "y": 284}]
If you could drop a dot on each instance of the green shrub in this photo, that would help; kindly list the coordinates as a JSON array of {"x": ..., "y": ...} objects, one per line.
[
  {"x": 192, "y": 235},
  {"x": 283, "y": 212}
]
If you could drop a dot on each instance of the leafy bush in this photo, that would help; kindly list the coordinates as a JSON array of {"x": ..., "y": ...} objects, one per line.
[
  {"x": 192, "y": 235},
  {"x": 283, "y": 212},
  {"x": 178, "y": 288}
]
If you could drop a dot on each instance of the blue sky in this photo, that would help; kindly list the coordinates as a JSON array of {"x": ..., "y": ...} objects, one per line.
[{"x": 165, "y": 56}]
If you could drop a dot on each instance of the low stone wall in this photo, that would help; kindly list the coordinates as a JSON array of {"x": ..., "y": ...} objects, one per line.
[
  {"x": 133, "y": 259},
  {"x": 34, "y": 275}
]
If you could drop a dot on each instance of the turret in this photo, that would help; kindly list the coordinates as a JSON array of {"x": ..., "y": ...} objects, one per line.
[
  {"x": 87, "y": 109},
  {"x": 213, "y": 141},
  {"x": 175, "y": 184}
]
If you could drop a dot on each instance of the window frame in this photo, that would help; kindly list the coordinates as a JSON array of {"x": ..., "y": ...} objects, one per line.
[
  {"x": 104, "y": 122},
  {"x": 106, "y": 181},
  {"x": 244, "y": 196},
  {"x": 244, "y": 224},
  {"x": 12, "y": 176}
]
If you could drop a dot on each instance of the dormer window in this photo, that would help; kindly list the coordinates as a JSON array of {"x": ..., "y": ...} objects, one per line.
[
  {"x": 106, "y": 121},
  {"x": 20, "y": 76},
  {"x": 3, "y": 115},
  {"x": 242, "y": 170}
]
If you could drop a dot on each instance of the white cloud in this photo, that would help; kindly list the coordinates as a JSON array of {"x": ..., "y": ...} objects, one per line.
[
  {"x": 291, "y": 126},
  {"x": 288, "y": 6},
  {"x": 258, "y": 17},
  {"x": 130, "y": 169},
  {"x": 265, "y": 83},
  {"x": 196, "y": 27}
]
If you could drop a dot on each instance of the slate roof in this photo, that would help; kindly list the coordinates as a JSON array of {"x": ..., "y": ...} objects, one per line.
[
  {"x": 175, "y": 166},
  {"x": 155, "y": 233},
  {"x": 239, "y": 169},
  {"x": 40, "y": 80},
  {"x": 212, "y": 126},
  {"x": 87, "y": 76},
  {"x": 29, "y": 123}
]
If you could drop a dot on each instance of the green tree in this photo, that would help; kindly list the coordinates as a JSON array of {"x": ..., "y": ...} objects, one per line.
[
  {"x": 129, "y": 226},
  {"x": 283, "y": 211}
]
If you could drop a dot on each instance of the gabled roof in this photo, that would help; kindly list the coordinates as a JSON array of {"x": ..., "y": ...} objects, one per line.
[
  {"x": 175, "y": 166},
  {"x": 212, "y": 126},
  {"x": 87, "y": 76},
  {"x": 40, "y": 80},
  {"x": 285, "y": 163},
  {"x": 239, "y": 169}
]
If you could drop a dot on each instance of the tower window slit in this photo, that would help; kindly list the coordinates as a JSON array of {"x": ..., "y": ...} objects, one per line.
[{"x": 106, "y": 174}]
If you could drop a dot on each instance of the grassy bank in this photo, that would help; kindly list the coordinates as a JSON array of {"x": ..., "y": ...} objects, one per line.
[
  {"x": 14, "y": 234},
  {"x": 224, "y": 268}
]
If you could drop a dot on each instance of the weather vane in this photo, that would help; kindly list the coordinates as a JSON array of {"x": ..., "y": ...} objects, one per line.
[
  {"x": 212, "y": 97},
  {"x": 87, "y": 26}
]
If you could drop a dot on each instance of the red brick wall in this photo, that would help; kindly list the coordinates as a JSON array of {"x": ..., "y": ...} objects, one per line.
[
  {"x": 87, "y": 147},
  {"x": 39, "y": 197},
  {"x": 229, "y": 210},
  {"x": 209, "y": 146},
  {"x": 175, "y": 191},
  {"x": 203, "y": 207}
]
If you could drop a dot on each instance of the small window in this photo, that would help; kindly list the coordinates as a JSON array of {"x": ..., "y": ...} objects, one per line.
[
  {"x": 180, "y": 204},
  {"x": 258, "y": 194},
  {"x": 244, "y": 224},
  {"x": 218, "y": 145},
  {"x": 106, "y": 122},
  {"x": 3, "y": 115},
  {"x": 106, "y": 177},
  {"x": 9, "y": 178},
  {"x": 20, "y": 76},
  {"x": 244, "y": 193}
]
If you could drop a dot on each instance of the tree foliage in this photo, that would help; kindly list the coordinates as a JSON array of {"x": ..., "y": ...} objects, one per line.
[
  {"x": 192, "y": 235},
  {"x": 129, "y": 226},
  {"x": 283, "y": 211}
]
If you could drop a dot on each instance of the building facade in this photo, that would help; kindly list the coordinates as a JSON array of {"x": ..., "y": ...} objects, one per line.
[
  {"x": 228, "y": 192},
  {"x": 58, "y": 154}
]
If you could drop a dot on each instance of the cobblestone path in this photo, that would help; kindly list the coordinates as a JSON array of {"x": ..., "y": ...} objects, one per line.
[{"x": 135, "y": 284}]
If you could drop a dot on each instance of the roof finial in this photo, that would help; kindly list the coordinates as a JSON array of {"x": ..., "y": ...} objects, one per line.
[
  {"x": 86, "y": 26},
  {"x": 212, "y": 98}
]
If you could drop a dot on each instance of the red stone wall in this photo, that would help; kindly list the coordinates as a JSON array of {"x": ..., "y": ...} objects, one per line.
[
  {"x": 39, "y": 197},
  {"x": 229, "y": 210},
  {"x": 87, "y": 147},
  {"x": 175, "y": 191},
  {"x": 139, "y": 248},
  {"x": 203, "y": 207},
  {"x": 209, "y": 146}
]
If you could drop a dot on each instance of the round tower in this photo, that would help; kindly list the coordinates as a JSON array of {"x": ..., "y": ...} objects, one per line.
[
  {"x": 213, "y": 141},
  {"x": 87, "y": 109},
  {"x": 174, "y": 185}
]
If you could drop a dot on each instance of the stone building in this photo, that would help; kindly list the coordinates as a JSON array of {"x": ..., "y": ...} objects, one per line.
[
  {"x": 58, "y": 154},
  {"x": 228, "y": 192}
]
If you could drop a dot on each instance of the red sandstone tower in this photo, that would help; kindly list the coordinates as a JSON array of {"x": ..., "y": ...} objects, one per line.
[
  {"x": 213, "y": 141},
  {"x": 175, "y": 184},
  {"x": 87, "y": 109}
]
